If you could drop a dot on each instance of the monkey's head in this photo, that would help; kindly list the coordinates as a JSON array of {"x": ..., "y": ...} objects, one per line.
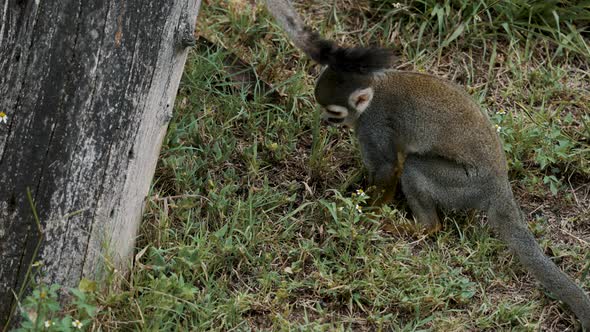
[
  {"x": 343, "y": 96},
  {"x": 345, "y": 86}
]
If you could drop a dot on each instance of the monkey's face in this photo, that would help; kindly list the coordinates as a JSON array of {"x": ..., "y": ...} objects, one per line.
[{"x": 342, "y": 96}]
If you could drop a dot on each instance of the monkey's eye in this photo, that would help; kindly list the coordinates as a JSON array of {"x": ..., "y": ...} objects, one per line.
[{"x": 334, "y": 114}]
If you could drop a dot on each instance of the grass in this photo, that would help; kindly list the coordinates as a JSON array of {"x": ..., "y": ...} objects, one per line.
[{"x": 252, "y": 221}]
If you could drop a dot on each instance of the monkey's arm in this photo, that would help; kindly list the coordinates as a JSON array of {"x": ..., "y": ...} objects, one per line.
[
  {"x": 383, "y": 162},
  {"x": 399, "y": 167}
]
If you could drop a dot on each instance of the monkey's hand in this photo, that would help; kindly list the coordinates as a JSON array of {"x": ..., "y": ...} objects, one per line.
[{"x": 385, "y": 191}]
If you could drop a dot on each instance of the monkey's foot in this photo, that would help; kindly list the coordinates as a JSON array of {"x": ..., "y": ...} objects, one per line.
[
  {"x": 380, "y": 196},
  {"x": 431, "y": 229}
]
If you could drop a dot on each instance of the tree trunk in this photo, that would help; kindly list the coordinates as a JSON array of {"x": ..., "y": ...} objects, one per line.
[{"x": 88, "y": 89}]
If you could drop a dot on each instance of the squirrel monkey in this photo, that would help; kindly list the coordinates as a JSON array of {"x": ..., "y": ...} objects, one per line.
[{"x": 433, "y": 136}]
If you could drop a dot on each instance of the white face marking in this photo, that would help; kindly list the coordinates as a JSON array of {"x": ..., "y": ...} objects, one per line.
[
  {"x": 335, "y": 111},
  {"x": 361, "y": 99},
  {"x": 339, "y": 115}
]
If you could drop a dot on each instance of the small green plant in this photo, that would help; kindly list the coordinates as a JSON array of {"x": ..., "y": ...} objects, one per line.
[{"x": 42, "y": 311}]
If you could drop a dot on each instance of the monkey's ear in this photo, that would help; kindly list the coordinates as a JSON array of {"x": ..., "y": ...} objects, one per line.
[{"x": 361, "y": 99}]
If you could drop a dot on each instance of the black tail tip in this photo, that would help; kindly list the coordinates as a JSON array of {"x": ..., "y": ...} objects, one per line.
[{"x": 361, "y": 60}]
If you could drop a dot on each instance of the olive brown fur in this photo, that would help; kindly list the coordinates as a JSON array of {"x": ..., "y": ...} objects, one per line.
[{"x": 431, "y": 136}]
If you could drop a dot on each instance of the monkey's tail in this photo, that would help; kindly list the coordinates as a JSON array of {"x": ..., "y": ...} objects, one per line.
[
  {"x": 359, "y": 60},
  {"x": 302, "y": 36},
  {"x": 506, "y": 218}
]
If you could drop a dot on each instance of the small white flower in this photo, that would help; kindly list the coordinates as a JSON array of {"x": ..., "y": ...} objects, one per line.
[
  {"x": 498, "y": 128},
  {"x": 3, "y": 117},
  {"x": 360, "y": 193},
  {"x": 397, "y": 5},
  {"x": 49, "y": 323},
  {"x": 502, "y": 111},
  {"x": 341, "y": 208},
  {"x": 477, "y": 18},
  {"x": 77, "y": 324},
  {"x": 358, "y": 208}
]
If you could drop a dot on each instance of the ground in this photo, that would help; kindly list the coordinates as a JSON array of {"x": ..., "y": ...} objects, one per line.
[{"x": 252, "y": 220}]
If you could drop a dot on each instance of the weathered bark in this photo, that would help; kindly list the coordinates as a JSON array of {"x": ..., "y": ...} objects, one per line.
[{"x": 88, "y": 88}]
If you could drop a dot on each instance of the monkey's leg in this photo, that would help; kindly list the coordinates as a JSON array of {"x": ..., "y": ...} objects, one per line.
[
  {"x": 429, "y": 182},
  {"x": 417, "y": 191}
]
